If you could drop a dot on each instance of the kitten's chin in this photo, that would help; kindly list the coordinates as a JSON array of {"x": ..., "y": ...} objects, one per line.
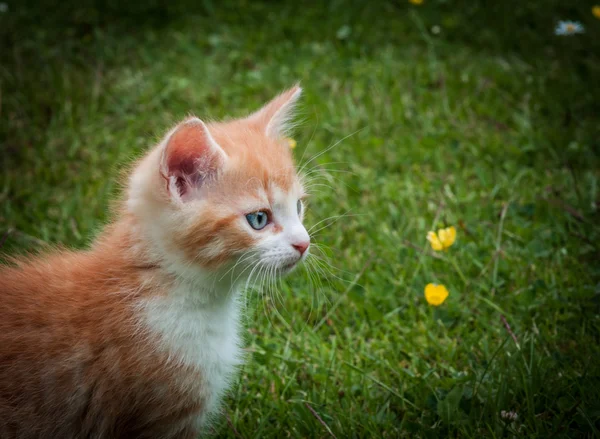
[{"x": 288, "y": 268}]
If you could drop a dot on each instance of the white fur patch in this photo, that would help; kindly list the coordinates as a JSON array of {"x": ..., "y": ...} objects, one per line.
[
  {"x": 199, "y": 328},
  {"x": 277, "y": 249}
]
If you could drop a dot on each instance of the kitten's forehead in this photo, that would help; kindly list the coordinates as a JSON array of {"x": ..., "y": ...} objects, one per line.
[
  {"x": 280, "y": 196},
  {"x": 258, "y": 166},
  {"x": 259, "y": 195}
]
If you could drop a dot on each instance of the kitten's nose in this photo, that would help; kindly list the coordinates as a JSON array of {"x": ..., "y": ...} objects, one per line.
[{"x": 301, "y": 246}]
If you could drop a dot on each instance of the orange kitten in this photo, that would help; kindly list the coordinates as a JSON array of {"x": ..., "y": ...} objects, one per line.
[{"x": 137, "y": 337}]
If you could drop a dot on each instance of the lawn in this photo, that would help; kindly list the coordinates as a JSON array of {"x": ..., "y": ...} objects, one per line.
[{"x": 414, "y": 118}]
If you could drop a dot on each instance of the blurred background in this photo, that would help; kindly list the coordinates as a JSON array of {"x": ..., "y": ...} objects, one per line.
[{"x": 482, "y": 116}]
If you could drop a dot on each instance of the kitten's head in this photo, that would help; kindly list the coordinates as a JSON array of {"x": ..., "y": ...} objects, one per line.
[{"x": 212, "y": 195}]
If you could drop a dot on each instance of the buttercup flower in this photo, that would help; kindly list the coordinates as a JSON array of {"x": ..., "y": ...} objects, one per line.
[
  {"x": 416, "y": 2},
  {"x": 435, "y": 294},
  {"x": 291, "y": 143},
  {"x": 443, "y": 239},
  {"x": 596, "y": 11},
  {"x": 568, "y": 28}
]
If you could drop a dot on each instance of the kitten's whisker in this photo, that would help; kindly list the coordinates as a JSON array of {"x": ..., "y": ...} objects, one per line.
[
  {"x": 318, "y": 179},
  {"x": 323, "y": 220},
  {"x": 241, "y": 273},
  {"x": 268, "y": 297},
  {"x": 316, "y": 283},
  {"x": 324, "y": 184},
  {"x": 324, "y": 266},
  {"x": 324, "y": 172},
  {"x": 309, "y": 189},
  {"x": 314, "y": 233},
  {"x": 320, "y": 165},
  {"x": 318, "y": 269},
  {"x": 325, "y": 260},
  {"x": 256, "y": 265},
  {"x": 330, "y": 148},
  {"x": 327, "y": 274},
  {"x": 323, "y": 249},
  {"x": 309, "y": 140},
  {"x": 241, "y": 259},
  {"x": 327, "y": 175},
  {"x": 321, "y": 263},
  {"x": 276, "y": 284},
  {"x": 273, "y": 281},
  {"x": 315, "y": 180},
  {"x": 257, "y": 283},
  {"x": 337, "y": 162},
  {"x": 319, "y": 183},
  {"x": 336, "y": 218}
]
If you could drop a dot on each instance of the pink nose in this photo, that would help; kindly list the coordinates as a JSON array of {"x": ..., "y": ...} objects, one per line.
[{"x": 301, "y": 246}]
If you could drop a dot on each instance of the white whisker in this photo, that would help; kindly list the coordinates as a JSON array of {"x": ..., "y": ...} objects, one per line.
[{"x": 329, "y": 148}]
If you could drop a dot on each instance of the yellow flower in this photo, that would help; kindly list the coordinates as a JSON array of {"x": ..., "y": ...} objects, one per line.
[
  {"x": 291, "y": 142},
  {"x": 416, "y": 2},
  {"x": 435, "y": 294},
  {"x": 443, "y": 239},
  {"x": 596, "y": 11}
]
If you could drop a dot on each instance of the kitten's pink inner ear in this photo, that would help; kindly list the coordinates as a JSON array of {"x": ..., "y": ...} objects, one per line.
[
  {"x": 275, "y": 116},
  {"x": 191, "y": 156}
]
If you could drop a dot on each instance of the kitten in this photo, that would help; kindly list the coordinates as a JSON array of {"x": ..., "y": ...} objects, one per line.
[{"x": 138, "y": 337}]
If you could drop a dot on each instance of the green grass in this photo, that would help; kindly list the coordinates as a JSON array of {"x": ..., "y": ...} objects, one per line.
[{"x": 491, "y": 126}]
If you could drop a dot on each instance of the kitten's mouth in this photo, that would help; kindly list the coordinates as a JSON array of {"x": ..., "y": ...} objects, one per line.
[{"x": 287, "y": 267}]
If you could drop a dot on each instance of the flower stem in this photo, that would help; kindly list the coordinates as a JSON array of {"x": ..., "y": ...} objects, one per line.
[{"x": 458, "y": 270}]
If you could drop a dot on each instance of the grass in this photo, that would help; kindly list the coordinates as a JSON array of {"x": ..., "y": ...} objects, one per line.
[{"x": 492, "y": 128}]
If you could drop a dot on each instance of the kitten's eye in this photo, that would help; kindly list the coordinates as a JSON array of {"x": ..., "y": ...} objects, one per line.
[
  {"x": 258, "y": 220},
  {"x": 299, "y": 207}
]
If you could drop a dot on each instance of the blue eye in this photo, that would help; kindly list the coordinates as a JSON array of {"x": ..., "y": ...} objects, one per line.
[
  {"x": 258, "y": 220},
  {"x": 299, "y": 207}
]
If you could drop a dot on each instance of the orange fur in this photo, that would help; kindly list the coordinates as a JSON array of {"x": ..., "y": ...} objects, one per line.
[
  {"x": 77, "y": 359},
  {"x": 73, "y": 362}
]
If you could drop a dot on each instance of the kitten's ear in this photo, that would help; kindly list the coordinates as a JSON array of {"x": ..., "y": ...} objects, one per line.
[
  {"x": 190, "y": 157},
  {"x": 275, "y": 116}
]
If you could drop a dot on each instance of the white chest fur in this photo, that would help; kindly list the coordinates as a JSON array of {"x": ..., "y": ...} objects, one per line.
[{"x": 200, "y": 333}]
